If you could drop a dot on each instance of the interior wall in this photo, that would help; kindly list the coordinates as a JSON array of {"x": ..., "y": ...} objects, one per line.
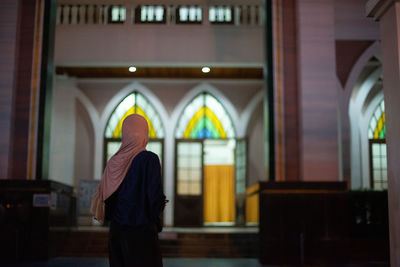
[
  {"x": 84, "y": 145},
  {"x": 355, "y": 34},
  {"x": 239, "y": 93},
  {"x": 62, "y": 137},
  {"x": 170, "y": 93},
  {"x": 100, "y": 91},
  {"x": 351, "y": 23},
  {"x": 158, "y": 43}
]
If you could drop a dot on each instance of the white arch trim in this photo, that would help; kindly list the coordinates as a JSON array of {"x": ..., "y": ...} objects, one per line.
[
  {"x": 91, "y": 110},
  {"x": 346, "y": 94},
  {"x": 363, "y": 126},
  {"x": 112, "y": 104},
  {"x": 94, "y": 117},
  {"x": 135, "y": 86},
  {"x": 248, "y": 113},
  {"x": 205, "y": 87},
  {"x": 358, "y": 98},
  {"x": 359, "y": 132},
  {"x": 372, "y": 51}
]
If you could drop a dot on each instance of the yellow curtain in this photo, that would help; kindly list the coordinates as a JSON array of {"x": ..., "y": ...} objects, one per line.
[
  {"x": 252, "y": 213},
  {"x": 219, "y": 193}
]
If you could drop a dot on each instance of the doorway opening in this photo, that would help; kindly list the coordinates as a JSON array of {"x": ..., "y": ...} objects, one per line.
[{"x": 210, "y": 166}]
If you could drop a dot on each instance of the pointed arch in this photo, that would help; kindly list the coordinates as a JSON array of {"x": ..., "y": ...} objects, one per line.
[
  {"x": 134, "y": 103},
  {"x": 123, "y": 93},
  {"x": 361, "y": 99},
  {"x": 108, "y": 110},
  {"x": 205, "y": 88},
  {"x": 87, "y": 104},
  {"x": 372, "y": 51},
  {"x": 204, "y": 117},
  {"x": 248, "y": 112}
]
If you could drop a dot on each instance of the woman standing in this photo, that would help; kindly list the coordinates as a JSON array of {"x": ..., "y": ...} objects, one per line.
[{"x": 131, "y": 197}]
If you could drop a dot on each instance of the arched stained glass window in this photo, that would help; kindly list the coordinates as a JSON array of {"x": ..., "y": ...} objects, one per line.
[
  {"x": 377, "y": 142},
  {"x": 134, "y": 103},
  {"x": 205, "y": 117},
  {"x": 377, "y": 126}
]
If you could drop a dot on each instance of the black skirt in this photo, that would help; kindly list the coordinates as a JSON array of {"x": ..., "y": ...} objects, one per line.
[{"x": 132, "y": 247}]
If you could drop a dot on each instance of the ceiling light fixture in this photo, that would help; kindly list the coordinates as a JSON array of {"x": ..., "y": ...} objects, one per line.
[
  {"x": 205, "y": 69},
  {"x": 132, "y": 69}
]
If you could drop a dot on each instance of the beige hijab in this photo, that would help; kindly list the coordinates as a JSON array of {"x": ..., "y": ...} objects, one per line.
[{"x": 135, "y": 134}]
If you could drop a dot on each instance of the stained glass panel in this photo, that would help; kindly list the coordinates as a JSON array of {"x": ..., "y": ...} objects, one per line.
[
  {"x": 205, "y": 117},
  {"x": 377, "y": 127},
  {"x": 134, "y": 103}
]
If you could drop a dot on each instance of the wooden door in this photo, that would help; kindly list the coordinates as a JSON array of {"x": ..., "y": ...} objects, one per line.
[{"x": 189, "y": 183}]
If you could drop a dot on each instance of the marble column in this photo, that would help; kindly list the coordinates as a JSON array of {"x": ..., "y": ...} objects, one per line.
[{"x": 388, "y": 14}]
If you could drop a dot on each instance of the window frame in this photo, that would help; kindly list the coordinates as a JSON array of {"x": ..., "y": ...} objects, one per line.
[
  {"x": 138, "y": 12},
  {"x": 179, "y": 21},
  {"x": 109, "y": 15},
  {"x": 371, "y": 167},
  {"x": 107, "y": 140},
  {"x": 222, "y": 22}
]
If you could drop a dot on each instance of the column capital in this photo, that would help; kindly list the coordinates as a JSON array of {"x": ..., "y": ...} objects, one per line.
[{"x": 377, "y": 8}]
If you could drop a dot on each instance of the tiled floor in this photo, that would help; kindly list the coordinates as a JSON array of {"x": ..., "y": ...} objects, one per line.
[{"x": 168, "y": 262}]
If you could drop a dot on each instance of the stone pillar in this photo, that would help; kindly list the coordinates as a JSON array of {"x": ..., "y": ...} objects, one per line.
[
  {"x": 17, "y": 31},
  {"x": 317, "y": 91},
  {"x": 8, "y": 33},
  {"x": 388, "y": 14}
]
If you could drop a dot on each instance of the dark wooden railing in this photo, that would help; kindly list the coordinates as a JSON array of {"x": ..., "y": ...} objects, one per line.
[
  {"x": 322, "y": 223},
  {"x": 75, "y": 14}
]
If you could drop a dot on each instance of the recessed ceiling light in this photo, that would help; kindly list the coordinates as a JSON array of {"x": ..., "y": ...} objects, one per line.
[
  {"x": 132, "y": 69},
  {"x": 205, "y": 69}
]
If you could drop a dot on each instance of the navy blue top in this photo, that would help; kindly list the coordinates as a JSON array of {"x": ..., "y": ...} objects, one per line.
[{"x": 139, "y": 200}]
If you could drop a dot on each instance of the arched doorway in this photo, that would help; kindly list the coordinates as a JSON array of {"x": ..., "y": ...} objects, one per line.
[
  {"x": 134, "y": 103},
  {"x": 210, "y": 165},
  {"x": 364, "y": 98}
]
